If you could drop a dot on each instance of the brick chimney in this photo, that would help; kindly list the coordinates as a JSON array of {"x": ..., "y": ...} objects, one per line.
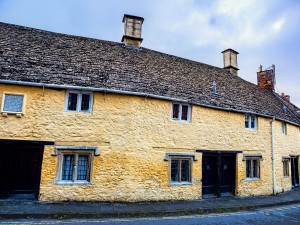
[
  {"x": 266, "y": 78},
  {"x": 230, "y": 60},
  {"x": 285, "y": 97},
  {"x": 132, "y": 30}
]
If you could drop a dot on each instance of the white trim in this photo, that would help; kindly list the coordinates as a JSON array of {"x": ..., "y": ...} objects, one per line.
[
  {"x": 147, "y": 95},
  {"x": 11, "y": 112},
  {"x": 180, "y": 183},
  {"x": 283, "y": 128},
  {"x": 250, "y": 121},
  {"x": 76, "y": 152},
  {"x": 251, "y": 158},
  {"x": 181, "y": 157},
  {"x": 180, "y": 112},
  {"x": 79, "y": 101}
]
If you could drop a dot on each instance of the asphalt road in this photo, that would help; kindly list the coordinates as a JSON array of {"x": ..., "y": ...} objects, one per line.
[{"x": 276, "y": 215}]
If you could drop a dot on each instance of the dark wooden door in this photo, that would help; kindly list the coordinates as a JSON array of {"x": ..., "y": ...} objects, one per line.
[
  {"x": 227, "y": 170},
  {"x": 5, "y": 170},
  {"x": 209, "y": 175},
  {"x": 22, "y": 172},
  {"x": 295, "y": 171},
  {"x": 218, "y": 174}
]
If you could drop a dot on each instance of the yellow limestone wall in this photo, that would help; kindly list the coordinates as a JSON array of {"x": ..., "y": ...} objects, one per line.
[{"x": 133, "y": 135}]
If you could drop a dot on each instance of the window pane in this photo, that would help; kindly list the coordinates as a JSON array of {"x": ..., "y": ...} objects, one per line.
[
  {"x": 283, "y": 127},
  {"x": 72, "y": 101},
  {"x": 184, "y": 112},
  {"x": 68, "y": 167},
  {"x": 286, "y": 168},
  {"x": 248, "y": 168},
  {"x": 255, "y": 168},
  {"x": 253, "y": 121},
  {"x": 85, "y": 102},
  {"x": 82, "y": 170},
  {"x": 175, "y": 111},
  {"x": 185, "y": 170},
  {"x": 247, "y": 121},
  {"x": 13, "y": 103},
  {"x": 174, "y": 170}
]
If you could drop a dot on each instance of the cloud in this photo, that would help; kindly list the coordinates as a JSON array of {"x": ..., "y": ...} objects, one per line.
[
  {"x": 264, "y": 32},
  {"x": 228, "y": 23},
  {"x": 278, "y": 24}
]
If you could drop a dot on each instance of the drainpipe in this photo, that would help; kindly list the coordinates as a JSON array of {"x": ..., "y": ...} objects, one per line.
[{"x": 273, "y": 156}]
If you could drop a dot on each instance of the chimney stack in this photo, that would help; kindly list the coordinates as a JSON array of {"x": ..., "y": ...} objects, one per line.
[
  {"x": 230, "y": 60},
  {"x": 266, "y": 78},
  {"x": 285, "y": 97},
  {"x": 132, "y": 30}
]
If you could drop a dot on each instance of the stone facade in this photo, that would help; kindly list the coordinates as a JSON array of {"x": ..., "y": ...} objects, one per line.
[{"x": 133, "y": 135}]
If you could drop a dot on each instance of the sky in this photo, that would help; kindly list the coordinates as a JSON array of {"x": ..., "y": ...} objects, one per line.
[{"x": 264, "y": 32}]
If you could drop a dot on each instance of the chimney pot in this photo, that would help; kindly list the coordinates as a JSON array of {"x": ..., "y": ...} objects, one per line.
[
  {"x": 132, "y": 30},
  {"x": 230, "y": 60},
  {"x": 285, "y": 97},
  {"x": 260, "y": 68}
]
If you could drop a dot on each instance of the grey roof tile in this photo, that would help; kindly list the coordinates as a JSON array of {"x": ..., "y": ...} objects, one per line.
[{"x": 33, "y": 55}]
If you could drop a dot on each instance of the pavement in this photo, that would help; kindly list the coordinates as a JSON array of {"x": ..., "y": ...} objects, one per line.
[{"x": 17, "y": 209}]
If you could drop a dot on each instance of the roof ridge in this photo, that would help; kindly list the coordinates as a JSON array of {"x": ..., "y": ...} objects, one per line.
[{"x": 282, "y": 102}]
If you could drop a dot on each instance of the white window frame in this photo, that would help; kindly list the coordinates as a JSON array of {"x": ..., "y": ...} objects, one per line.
[
  {"x": 286, "y": 167},
  {"x": 12, "y": 112},
  {"x": 251, "y": 159},
  {"x": 76, "y": 152},
  {"x": 180, "y": 111},
  {"x": 249, "y": 122},
  {"x": 79, "y": 101},
  {"x": 283, "y": 128},
  {"x": 179, "y": 182},
  {"x": 180, "y": 156}
]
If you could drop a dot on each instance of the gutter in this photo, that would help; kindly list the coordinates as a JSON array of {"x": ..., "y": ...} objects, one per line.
[
  {"x": 273, "y": 156},
  {"x": 142, "y": 94},
  {"x": 107, "y": 90}
]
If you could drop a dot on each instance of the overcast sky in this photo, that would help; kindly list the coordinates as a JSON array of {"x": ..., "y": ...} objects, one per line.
[{"x": 264, "y": 32}]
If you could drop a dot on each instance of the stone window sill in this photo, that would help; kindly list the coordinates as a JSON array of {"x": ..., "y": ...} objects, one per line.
[
  {"x": 252, "y": 179},
  {"x": 180, "y": 183},
  {"x": 71, "y": 183}
]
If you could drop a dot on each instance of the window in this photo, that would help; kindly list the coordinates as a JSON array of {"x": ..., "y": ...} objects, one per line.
[
  {"x": 181, "y": 170},
  {"x": 283, "y": 128},
  {"x": 286, "y": 171},
  {"x": 12, "y": 103},
  {"x": 252, "y": 167},
  {"x": 250, "y": 122},
  {"x": 214, "y": 88},
  {"x": 181, "y": 112},
  {"x": 74, "y": 165},
  {"x": 77, "y": 101}
]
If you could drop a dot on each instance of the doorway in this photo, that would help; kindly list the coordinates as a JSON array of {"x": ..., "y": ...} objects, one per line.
[
  {"x": 20, "y": 166},
  {"x": 218, "y": 174},
  {"x": 295, "y": 171}
]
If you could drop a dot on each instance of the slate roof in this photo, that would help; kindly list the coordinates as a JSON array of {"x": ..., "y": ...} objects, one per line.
[{"x": 33, "y": 55}]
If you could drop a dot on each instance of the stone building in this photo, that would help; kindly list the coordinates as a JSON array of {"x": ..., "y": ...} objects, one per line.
[{"x": 91, "y": 120}]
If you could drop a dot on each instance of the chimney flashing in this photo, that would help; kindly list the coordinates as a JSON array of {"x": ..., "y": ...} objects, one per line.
[{"x": 133, "y": 38}]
